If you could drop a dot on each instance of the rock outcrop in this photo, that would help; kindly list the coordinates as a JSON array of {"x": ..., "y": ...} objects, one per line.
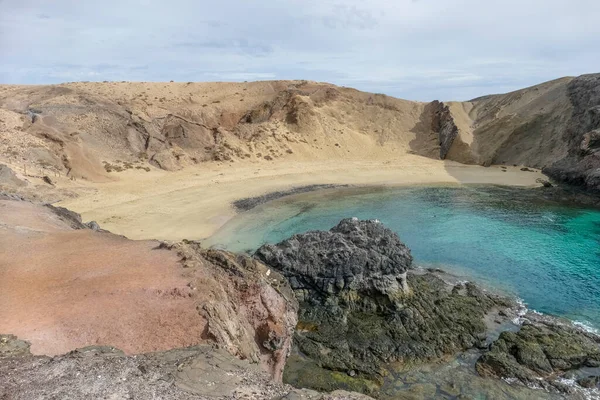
[
  {"x": 9, "y": 178},
  {"x": 250, "y": 310},
  {"x": 353, "y": 259},
  {"x": 443, "y": 123},
  {"x": 581, "y": 166},
  {"x": 140, "y": 296},
  {"x": 103, "y": 372},
  {"x": 539, "y": 353},
  {"x": 361, "y": 309}
]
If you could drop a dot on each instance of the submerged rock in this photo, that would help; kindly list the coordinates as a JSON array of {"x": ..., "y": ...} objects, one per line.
[{"x": 359, "y": 310}]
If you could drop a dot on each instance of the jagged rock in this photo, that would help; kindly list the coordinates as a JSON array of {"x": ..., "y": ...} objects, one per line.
[
  {"x": 590, "y": 143},
  {"x": 250, "y": 310},
  {"x": 360, "y": 310},
  {"x": 353, "y": 257},
  {"x": 70, "y": 217},
  {"x": 589, "y": 382},
  {"x": 540, "y": 351},
  {"x": 443, "y": 123},
  {"x": 582, "y": 164},
  {"x": 103, "y": 372}
]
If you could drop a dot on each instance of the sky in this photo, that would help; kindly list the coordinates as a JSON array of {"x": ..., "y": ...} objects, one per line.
[{"x": 414, "y": 49}]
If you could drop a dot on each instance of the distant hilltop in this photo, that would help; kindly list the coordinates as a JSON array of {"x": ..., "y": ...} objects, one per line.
[{"x": 96, "y": 130}]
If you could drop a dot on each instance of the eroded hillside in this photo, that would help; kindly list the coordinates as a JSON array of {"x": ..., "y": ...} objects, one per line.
[
  {"x": 91, "y": 129},
  {"x": 95, "y": 130}
]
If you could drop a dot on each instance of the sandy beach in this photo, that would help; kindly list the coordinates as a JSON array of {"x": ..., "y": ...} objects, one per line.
[{"x": 196, "y": 201}]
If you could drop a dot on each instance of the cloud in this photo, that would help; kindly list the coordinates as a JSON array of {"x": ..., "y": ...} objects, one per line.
[{"x": 426, "y": 49}]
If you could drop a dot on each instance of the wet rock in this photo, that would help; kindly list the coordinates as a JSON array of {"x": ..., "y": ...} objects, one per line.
[
  {"x": 544, "y": 182},
  {"x": 360, "y": 308},
  {"x": 539, "y": 351},
  {"x": 589, "y": 382}
]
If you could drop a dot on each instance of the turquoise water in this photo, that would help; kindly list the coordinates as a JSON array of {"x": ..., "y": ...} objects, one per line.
[{"x": 546, "y": 253}]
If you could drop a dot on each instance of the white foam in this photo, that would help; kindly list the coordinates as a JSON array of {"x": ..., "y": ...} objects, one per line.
[
  {"x": 586, "y": 327},
  {"x": 522, "y": 310}
]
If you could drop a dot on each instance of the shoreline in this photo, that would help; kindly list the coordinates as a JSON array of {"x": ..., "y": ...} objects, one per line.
[{"x": 195, "y": 202}]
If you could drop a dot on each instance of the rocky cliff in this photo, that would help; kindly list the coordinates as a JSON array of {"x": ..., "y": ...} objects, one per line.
[
  {"x": 553, "y": 126},
  {"x": 139, "y": 296}
]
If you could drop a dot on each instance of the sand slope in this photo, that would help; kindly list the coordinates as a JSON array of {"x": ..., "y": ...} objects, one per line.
[{"x": 62, "y": 289}]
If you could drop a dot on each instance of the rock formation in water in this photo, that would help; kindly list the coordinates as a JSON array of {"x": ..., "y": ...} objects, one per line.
[
  {"x": 359, "y": 311},
  {"x": 353, "y": 259},
  {"x": 541, "y": 352}
]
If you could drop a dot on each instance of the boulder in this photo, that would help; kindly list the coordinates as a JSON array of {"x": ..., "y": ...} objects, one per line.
[
  {"x": 354, "y": 257},
  {"x": 540, "y": 352}
]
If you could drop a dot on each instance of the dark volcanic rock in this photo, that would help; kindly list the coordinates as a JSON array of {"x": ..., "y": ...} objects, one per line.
[
  {"x": 582, "y": 165},
  {"x": 251, "y": 202},
  {"x": 540, "y": 350},
  {"x": 357, "y": 313},
  {"x": 362, "y": 257},
  {"x": 68, "y": 216},
  {"x": 589, "y": 382},
  {"x": 443, "y": 124}
]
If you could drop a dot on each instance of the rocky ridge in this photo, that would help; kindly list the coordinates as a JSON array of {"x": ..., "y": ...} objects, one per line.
[{"x": 544, "y": 353}]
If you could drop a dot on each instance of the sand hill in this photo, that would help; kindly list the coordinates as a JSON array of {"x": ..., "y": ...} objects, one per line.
[{"x": 111, "y": 149}]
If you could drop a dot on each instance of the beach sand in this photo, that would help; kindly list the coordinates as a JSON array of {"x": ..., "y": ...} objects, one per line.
[{"x": 194, "y": 202}]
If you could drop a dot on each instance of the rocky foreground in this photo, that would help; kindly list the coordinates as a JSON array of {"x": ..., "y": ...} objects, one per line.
[
  {"x": 328, "y": 311},
  {"x": 361, "y": 310}
]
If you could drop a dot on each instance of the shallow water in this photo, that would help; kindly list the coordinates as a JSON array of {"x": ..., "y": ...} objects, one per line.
[{"x": 511, "y": 239}]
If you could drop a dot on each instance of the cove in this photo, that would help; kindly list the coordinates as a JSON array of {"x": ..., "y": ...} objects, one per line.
[{"x": 510, "y": 239}]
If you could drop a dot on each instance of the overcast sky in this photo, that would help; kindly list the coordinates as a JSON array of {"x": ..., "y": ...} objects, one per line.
[{"x": 414, "y": 49}]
